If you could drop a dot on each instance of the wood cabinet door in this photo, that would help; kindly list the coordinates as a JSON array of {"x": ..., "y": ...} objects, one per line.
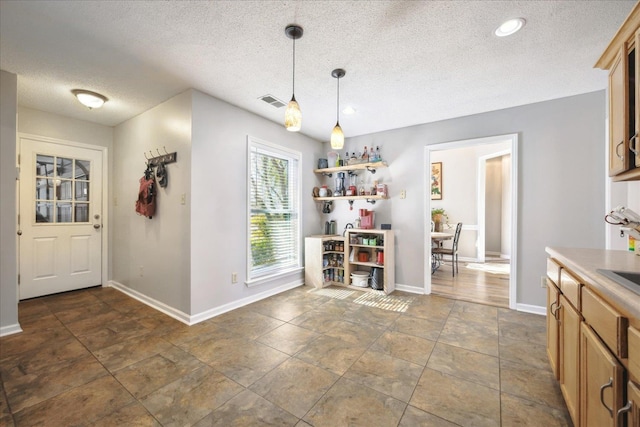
[
  {"x": 636, "y": 141},
  {"x": 601, "y": 382},
  {"x": 570, "y": 321},
  {"x": 618, "y": 114},
  {"x": 553, "y": 336},
  {"x": 632, "y": 410}
]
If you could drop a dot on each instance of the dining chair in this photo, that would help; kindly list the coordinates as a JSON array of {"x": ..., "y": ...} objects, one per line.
[{"x": 452, "y": 252}]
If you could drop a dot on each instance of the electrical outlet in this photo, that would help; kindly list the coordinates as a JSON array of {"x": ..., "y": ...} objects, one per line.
[
  {"x": 234, "y": 277},
  {"x": 183, "y": 199},
  {"x": 543, "y": 281},
  {"x": 403, "y": 194},
  {"x": 141, "y": 271}
]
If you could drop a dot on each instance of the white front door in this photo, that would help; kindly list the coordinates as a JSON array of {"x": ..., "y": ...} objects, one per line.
[{"x": 60, "y": 217}]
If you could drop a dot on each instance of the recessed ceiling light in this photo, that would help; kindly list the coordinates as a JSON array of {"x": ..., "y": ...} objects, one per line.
[
  {"x": 348, "y": 111},
  {"x": 510, "y": 27},
  {"x": 89, "y": 99}
]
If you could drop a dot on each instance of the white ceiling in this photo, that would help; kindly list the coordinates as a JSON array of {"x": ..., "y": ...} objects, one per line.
[{"x": 407, "y": 62}]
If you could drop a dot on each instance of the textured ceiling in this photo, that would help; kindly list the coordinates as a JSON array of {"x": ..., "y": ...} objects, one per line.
[{"x": 407, "y": 62}]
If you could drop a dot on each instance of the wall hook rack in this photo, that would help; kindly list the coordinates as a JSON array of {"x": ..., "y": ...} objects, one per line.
[{"x": 161, "y": 158}]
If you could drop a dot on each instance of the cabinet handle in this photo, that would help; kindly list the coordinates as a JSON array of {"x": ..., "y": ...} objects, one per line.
[
  {"x": 633, "y": 146},
  {"x": 626, "y": 408},
  {"x": 618, "y": 154},
  {"x": 602, "y": 388},
  {"x": 551, "y": 309}
]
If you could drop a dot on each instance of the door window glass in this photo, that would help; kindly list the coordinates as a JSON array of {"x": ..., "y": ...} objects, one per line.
[{"x": 62, "y": 189}]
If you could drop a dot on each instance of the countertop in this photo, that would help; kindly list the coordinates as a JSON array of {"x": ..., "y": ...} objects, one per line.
[{"x": 585, "y": 262}]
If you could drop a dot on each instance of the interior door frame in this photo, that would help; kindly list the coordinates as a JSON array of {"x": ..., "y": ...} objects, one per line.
[
  {"x": 104, "y": 261},
  {"x": 513, "y": 138}
]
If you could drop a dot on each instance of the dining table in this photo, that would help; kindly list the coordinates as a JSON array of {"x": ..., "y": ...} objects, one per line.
[{"x": 437, "y": 237}]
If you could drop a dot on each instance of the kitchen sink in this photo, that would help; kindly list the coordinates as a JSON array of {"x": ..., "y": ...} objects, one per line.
[{"x": 628, "y": 279}]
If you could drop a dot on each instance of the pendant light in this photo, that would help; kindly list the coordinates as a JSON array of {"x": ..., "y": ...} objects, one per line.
[
  {"x": 337, "y": 136},
  {"x": 293, "y": 115}
]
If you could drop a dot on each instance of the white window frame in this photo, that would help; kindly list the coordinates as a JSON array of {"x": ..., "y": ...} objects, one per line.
[{"x": 277, "y": 150}]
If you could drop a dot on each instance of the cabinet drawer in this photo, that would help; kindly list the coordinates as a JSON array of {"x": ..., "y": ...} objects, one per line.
[
  {"x": 608, "y": 323},
  {"x": 634, "y": 352},
  {"x": 553, "y": 271},
  {"x": 570, "y": 287}
]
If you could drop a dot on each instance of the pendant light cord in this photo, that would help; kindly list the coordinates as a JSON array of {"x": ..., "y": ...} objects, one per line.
[
  {"x": 294, "y": 68},
  {"x": 338, "y": 103}
]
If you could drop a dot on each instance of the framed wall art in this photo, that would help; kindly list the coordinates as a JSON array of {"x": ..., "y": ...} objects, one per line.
[{"x": 436, "y": 181}]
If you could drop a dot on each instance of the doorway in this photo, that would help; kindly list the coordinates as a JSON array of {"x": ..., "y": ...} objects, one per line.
[
  {"x": 470, "y": 180},
  {"x": 62, "y": 245}
]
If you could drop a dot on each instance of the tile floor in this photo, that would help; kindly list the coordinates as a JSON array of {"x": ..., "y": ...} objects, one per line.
[{"x": 97, "y": 357}]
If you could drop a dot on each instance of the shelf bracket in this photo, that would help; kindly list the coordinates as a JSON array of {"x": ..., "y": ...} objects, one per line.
[
  {"x": 352, "y": 173},
  {"x": 329, "y": 174},
  {"x": 373, "y": 202},
  {"x": 350, "y": 204},
  {"x": 370, "y": 169}
]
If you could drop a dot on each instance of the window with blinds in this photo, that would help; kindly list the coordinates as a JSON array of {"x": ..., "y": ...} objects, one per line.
[{"x": 274, "y": 203}]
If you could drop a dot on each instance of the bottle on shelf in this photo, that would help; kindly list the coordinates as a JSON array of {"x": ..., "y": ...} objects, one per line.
[
  {"x": 365, "y": 154},
  {"x": 372, "y": 154},
  {"x": 378, "y": 155}
]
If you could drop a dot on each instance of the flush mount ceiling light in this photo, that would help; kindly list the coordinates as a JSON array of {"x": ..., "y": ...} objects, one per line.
[
  {"x": 89, "y": 99},
  {"x": 293, "y": 115},
  {"x": 337, "y": 136},
  {"x": 510, "y": 27}
]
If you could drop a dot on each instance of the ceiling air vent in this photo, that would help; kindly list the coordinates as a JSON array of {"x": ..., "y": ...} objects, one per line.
[{"x": 272, "y": 100}]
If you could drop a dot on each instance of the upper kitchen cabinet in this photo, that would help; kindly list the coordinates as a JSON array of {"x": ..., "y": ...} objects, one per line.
[{"x": 622, "y": 59}]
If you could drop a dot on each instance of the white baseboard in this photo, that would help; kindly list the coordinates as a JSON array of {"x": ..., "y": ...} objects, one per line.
[
  {"x": 200, "y": 317},
  {"x": 410, "y": 289},
  {"x": 151, "y": 302},
  {"x": 10, "y": 330},
  {"x": 534, "y": 309},
  {"x": 197, "y": 318}
]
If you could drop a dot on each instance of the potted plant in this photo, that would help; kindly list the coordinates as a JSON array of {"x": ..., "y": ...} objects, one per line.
[{"x": 437, "y": 214}]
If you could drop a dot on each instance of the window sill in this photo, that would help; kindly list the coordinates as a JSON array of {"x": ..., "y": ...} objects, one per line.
[{"x": 271, "y": 277}]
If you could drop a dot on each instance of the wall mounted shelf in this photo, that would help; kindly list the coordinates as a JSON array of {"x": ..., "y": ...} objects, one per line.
[{"x": 371, "y": 167}]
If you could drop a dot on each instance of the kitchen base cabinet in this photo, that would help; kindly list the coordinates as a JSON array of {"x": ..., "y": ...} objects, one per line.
[
  {"x": 569, "y": 351},
  {"x": 629, "y": 415},
  {"x": 323, "y": 261},
  {"x": 553, "y": 329},
  {"x": 601, "y": 382}
]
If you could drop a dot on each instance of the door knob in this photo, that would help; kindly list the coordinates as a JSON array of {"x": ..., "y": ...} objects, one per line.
[
  {"x": 19, "y": 232},
  {"x": 96, "y": 226}
]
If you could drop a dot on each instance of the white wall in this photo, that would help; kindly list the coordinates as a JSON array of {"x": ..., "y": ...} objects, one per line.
[
  {"x": 493, "y": 206},
  {"x": 152, "y": 256},
  {"x": 8, "y": 221},
  {"x": 219, "y": 204},
  {"x": 506, "y": 234},
  {"x": 561, "y": 198}
]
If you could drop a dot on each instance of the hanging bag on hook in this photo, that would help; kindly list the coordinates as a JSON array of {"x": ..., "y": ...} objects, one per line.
[
  {"x": 146, "y": 203},
  {"x": 161, "y": 174}
]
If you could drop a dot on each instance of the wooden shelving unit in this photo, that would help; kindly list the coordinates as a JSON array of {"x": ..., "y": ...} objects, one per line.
[
  {"x": 324, "y": 260},
  {"x": 354, "y": 247}
]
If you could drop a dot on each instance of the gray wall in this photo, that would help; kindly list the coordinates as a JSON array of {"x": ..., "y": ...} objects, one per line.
[
  {"x": 152, "y": 256},
  {"x": 36, "y": 122},
  {"x": 561, "y": 196},
  {"x": 219, "y": 205},
  {"x": 8, "y": 221}
]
